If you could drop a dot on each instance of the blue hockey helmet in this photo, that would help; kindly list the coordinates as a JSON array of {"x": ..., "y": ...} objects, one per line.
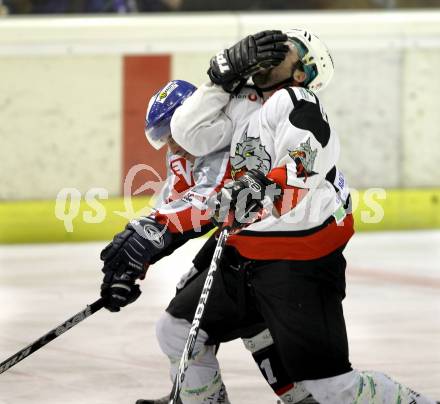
[{"x": 161, "y": 108}]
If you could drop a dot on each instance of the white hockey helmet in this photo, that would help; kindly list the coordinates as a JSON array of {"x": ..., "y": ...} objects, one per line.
[{"x": 315, "y": 56}]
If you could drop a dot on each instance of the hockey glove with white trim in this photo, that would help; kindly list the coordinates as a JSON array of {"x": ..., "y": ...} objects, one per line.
[
  {"x": 239, "y": 202},
  {"x": 231, "y": 68},
  {"x": 127, "y": 257},
  {"x": 119, "y": 290},
  {"x": 135, "y": 246}
]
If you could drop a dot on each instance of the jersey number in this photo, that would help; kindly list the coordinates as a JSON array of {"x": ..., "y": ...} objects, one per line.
[{"x": 265, "y": 365}]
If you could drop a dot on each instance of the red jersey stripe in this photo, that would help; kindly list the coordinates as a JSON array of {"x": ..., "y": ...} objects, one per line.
[{"x": 312, "y": 246}]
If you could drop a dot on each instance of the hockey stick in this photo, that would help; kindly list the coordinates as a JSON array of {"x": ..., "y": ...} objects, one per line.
[
  {"x": 51, "y": 335},
  {"x": 198, "y": 316}
]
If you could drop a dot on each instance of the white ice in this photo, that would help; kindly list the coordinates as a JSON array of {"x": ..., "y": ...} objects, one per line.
[{"x": 392, "y": 311}]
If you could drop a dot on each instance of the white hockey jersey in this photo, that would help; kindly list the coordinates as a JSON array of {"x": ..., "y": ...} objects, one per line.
[
  {"x": 181, "y": 204},
  {"x": 290, "y": 140}
]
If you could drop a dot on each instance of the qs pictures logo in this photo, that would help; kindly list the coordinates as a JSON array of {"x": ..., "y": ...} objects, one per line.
[{"x": 70, "y": 203}]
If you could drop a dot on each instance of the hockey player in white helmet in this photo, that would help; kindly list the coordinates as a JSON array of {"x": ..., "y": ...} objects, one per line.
[
  {"x": 179, "y": 216},
  {"x": 287, "y": 268}
]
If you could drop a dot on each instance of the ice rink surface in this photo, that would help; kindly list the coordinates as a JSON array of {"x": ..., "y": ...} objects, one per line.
[{"x": 392, "y": 311}]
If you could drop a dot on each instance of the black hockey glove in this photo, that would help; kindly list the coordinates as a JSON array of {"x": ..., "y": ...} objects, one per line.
[
  {"x": 135, "y": 246},
  {"x": 127, "y": 257},
  {"x": 239, "y": 202},
  {"x": 118, "y": 291},
  {"x": 231, "y": 68}
]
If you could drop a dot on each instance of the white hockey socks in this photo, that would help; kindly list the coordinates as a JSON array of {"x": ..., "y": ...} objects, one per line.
[
  {"x": 363, "y": 388},
  {"x": 203, "y": 382}
]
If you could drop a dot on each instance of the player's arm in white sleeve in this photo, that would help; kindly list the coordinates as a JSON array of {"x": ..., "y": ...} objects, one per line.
[
  {"x": 305, "y": 148},
  {"x": 200, "y": 125}
]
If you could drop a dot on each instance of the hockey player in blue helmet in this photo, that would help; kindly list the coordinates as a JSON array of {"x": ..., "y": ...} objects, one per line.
[
  {"x": 179, "y": 199},
  {"x": 161, "y": 108}
]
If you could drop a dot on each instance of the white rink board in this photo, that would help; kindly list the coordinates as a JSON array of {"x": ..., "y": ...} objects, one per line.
[
  {"x": 392, "y": 310},
  {"x": 61, "y": 125},
  {"x": 367, "y": 119},
  {"x": 421, "y": 124},
  {"x": 61, "y": 101}
]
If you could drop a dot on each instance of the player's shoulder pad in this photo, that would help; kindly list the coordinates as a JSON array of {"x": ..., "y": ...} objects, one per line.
[
  {"x": 277, "y": 108},
  {"x": 298, "y": 94},
  {"x": 308, "y": 114},
  {"x": 280, "y": 100}
]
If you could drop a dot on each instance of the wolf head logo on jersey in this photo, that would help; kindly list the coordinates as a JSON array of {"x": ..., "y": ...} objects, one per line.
[
  {"x": 304, "y": 158},
  {"x": 249, "y": 154}
]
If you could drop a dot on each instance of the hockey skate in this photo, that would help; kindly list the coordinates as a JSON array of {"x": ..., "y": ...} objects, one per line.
[
  {"x": 163, "y": 400},
  {"x": 308, "y": 400},
  {"x": 221, "y": 397},
  {"x": 166, "y": 399}
]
